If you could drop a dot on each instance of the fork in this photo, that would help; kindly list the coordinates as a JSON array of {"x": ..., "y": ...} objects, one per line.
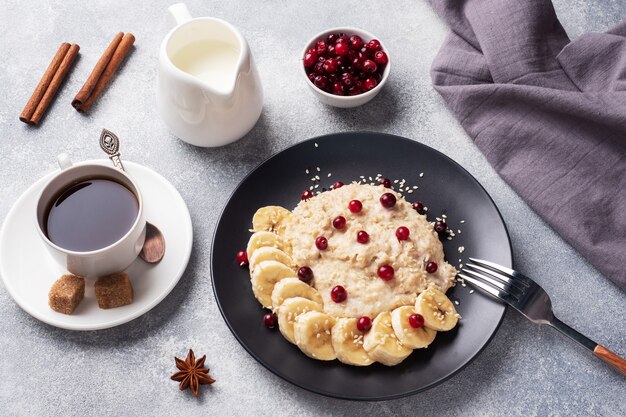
[{"x": 527, "y": 297}]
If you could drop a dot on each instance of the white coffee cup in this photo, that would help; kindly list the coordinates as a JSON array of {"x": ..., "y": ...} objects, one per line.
[{"x": 105, "y": 261}]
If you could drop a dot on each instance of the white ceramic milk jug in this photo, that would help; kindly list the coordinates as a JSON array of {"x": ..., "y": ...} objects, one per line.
[{"x": 209, "y": 92}]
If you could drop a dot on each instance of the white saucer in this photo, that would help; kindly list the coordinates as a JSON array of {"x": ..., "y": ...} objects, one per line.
[{"x": 28, "y": 270}]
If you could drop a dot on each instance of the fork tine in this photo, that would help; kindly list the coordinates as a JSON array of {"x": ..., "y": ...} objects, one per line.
[
  {"x": 504, "y": 270},
  {"x": 484, "y": 287},
  {"x": 494, "y": 282},
  {"x": 511, "y": 281}
]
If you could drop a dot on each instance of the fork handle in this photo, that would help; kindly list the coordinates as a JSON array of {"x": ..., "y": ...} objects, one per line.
[
  {"x": 611, "y": 358},
  {"x": 598, "y": 350}
]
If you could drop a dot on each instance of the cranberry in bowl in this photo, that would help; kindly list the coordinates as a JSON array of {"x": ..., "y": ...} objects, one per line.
[{"x": 345, "y": 66}]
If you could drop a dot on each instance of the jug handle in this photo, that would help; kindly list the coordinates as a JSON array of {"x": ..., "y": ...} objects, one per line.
[{"x": 178, "y": 13}]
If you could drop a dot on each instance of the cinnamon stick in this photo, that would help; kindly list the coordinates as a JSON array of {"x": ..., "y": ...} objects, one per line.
[
  {"x": 106, "y": 74},
  {"x": 44, "y": 83},
  {"x": 89, "y": 85},
  {"x": 55, "y": 84}
]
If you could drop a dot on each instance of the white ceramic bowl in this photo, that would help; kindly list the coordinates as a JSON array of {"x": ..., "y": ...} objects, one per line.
[{"x": 344, "y": 101}]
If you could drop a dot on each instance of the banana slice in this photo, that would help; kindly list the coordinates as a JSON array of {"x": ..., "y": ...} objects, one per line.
[
  {"x": 271, "y": 219},
  {"x": 293, "y": 287},
  {"x": 438, "y": 311},
  {"x": 264, "y": 278},
  {"x": 312, "y": 332},
  {"x": 269, "y": 253},
  {"x": 407, "y": 335},
  {"x": 261, "y": 239},
  {"x": 290, "y": 309},
  {"x": 348, "y": 343},
  {"x": 381, "y": 343}
]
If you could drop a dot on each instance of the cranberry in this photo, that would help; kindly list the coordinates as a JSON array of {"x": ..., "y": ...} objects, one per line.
[
  {"x": 381, "y": 57},
  {"x": 377, "y": 77},
  {"x": 354, "y": 90},
  {"x": 440, "y": 226},
  {"x": 336, "y": 185},
  {"x": 357, "y": 63},
  {"x": 338, "y": 88},
  {"x": 270, "y": 320},
  {"x": 341, "y": 48},
  {"x": 321, "y": 82},
  {"x": 306, "y": 194},
  {"x": 321, "y": 242},
  {"x": 385, "y": 272},
  {"x": 431, "y": 267},
  {"x": 330, "y": 66},
  {"x": 330, "y": 49},
  {"x": 318, "y": 67},
  {"x": 339, "y": 222},
  {"x": 369, "y": 66},
  {"x": 338, "y": 294},
  {"x": 332, "y": 38},
  {"x": 402, "y": 233},
  {"x": 369, "y": 83},
  {"x": 416, "y": 321},
  {"x": 352, "y": 54},
  {"x": 310, "y": 58},
  {"x": 347, "y": 79},
  {"x": 342, "y": 37},
  {"x": 385, "y": 182},
  {"x": 388, "y": 200},
  {"x": 362, "y": 237},
  {"x": 419, "y": 207},
  {"x": 373, "y": 45},
  {"x": 312, "y": 76},
  {"x": 364, "y": 323},
  {"x": 355, "y": 42},
  {"x": 242, "y": 258},
  {"x": 355, "y": 206},
  {"x": 320, "y": 47},
  {"x": 305, "y": 274}
]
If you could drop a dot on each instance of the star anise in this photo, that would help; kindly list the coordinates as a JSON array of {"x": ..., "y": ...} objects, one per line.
[{"x": 192, "y": 373}]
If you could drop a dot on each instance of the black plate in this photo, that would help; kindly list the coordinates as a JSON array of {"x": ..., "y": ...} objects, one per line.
[{"x": 445, "y": 187}]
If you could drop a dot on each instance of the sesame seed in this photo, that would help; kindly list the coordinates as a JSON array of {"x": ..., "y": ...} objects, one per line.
[
  {"x": 318, "y": 169},
  {"x": 462, "y": 221},
  {"x": 461, "y": 249},
  {"x": 444, "y": 216},
  {"x": 329, "y": 175},
  {"x": 316, "y": 145},
  {"x": 456, "y": 302},
  {"x": 415, "y": 187},
  {"x": 421, "y": 174},
  {"x": 395, "y": 181},
  {"x": 471, "y": 291},
  {"x": 306, "y": 170},
  {"x": 410, "y": 191}
]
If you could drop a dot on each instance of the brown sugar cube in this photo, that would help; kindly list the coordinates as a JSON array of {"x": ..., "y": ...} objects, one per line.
[
  {"x": 66, "y": 293},
  {"x": 114, "y": 290}
]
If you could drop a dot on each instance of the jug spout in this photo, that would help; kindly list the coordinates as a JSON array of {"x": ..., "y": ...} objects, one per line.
[{"x": 178, "y": 13}]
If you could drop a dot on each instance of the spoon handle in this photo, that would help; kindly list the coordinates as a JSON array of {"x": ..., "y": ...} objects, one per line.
[{"x": 110, "y": 143}]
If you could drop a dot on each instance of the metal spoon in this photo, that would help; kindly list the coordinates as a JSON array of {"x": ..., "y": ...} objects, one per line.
[{"x": 154, "y": 245}]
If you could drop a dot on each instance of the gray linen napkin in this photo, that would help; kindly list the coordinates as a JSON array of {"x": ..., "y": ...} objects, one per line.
[{"x": 548, "y": 114}]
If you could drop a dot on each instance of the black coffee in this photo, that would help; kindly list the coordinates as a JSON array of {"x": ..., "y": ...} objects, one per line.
[{"x": 91, "y": 215}]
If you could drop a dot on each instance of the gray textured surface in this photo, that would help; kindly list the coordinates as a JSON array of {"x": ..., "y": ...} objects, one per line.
[{"x": 526, "y": 370}]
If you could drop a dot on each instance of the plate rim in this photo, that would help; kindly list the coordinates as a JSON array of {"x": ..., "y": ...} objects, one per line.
[
  {"x": 320, "y": 391},
  {"x": 112, "y": 323}
]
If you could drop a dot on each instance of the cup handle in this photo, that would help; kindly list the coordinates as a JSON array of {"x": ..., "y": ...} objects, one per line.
[
  {"x": 64, "y": 161},
  {"x": 178, "y": 13}
]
